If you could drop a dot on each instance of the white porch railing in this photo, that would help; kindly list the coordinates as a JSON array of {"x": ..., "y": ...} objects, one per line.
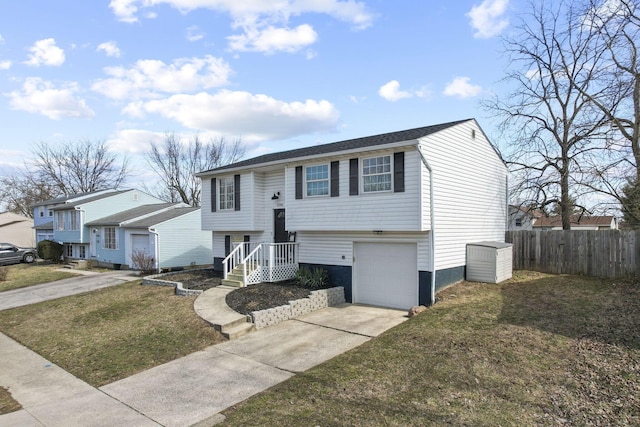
[
  {"x": 236, "y": 256},
  {"x": 268, "y": 262}
]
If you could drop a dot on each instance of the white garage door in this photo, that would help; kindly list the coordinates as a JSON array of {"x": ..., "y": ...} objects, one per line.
[
  {"x": 386, "y": 274},
  {"x": 140, "y": 243}
]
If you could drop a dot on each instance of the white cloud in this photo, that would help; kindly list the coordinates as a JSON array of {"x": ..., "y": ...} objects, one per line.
[
  {"x": 42, "y": 97},
  {"x": 194, "y": 33},
  {"x": 391, "y": 92},
  {"x": 147, "y": 77},
  {"x": 45, "y": 52},
  {"x": 264, "y": 23},
  {"x": 5, "y": 65},
  {"x": 1, "y": 40},
  {"x": 270, "y": 39},
  {"x": 253, "y": 117},
  {"x": 134, "y": 141},
  {"x": 461, "y": 87},
  {"x": 487, "y": 18},
  {"x": 109, "y": 48}
]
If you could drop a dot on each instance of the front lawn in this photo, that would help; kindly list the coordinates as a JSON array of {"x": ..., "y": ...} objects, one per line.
[
  {"x": 23, "y": 275},
  {"x": 537, "y": 350},
  {"x": 110, "y": 334}
]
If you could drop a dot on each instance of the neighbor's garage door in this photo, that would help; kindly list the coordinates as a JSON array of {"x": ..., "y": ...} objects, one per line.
[{"x": 386, "y": 274}]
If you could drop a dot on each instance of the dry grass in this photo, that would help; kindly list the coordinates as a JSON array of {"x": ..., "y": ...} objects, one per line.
[
  {"x": 7, "y": 402},
  {"x": 110, "y": 334},
  {"x": 23, "y": 275},
  {"x": 537, "y": 350}
]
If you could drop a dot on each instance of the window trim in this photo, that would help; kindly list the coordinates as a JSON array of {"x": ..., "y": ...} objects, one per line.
[
  {"x": 327, "y": 180},
  {"x": 60, "y": 221},
  {"x": 231, "y": 190},
  {"x": 106, "y": 240},
  {"x": 74, "y": 220},
  {"x": 390, "y": 174}
]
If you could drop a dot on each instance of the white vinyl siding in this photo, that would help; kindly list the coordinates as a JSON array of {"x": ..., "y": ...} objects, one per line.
[
  {"x": 385, "y": 210},
  {"x": 244, "y": 219},
  {"x": 469, "y": 191}
]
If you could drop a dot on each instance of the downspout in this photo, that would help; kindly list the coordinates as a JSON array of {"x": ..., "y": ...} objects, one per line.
[
  {"x": 156, "y": 249},
  {"x": 432, "y": 250}
]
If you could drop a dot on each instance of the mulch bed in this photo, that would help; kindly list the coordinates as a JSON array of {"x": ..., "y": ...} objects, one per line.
[
  {"x": 197, "y": 279},
  {"x": 244, "y": 300}
]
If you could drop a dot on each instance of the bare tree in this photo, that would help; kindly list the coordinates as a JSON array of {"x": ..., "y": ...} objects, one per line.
[
  {"x": 79, "y": 167},
  {"x": 554, "y": 130},
  {"x": 176, "y": 163},
  {"x": 20, "y": 191}
]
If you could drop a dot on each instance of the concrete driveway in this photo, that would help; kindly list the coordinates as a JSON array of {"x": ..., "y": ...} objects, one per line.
[
  {"x": 86, "y": 281},
  {"x": 197, "y": 387}
]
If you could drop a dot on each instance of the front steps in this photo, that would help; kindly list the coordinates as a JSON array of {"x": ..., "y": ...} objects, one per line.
[
  {"x": 211, "y": 306},
  {"x": 235, "y": 277}
]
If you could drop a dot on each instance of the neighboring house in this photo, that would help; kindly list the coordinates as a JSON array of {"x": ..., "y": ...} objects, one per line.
[
  {"x": 169, "y": 234},
  {"x": 16, "y": 229},
  {"x": 70, "y": 219},
  {"x": 522, "y": 218},
  {"x": 43, "y": 212},
  {"x": 388, "y": 216},
  {"x": 578, "y": 222}
]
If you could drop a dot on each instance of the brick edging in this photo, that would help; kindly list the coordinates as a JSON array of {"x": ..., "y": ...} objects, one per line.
[{"x": 315, "y": 301}]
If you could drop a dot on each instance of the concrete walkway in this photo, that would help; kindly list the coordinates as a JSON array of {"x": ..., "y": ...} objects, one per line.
[
  {"x": 86, "y": 282},
  {"x": 192, "y": 390}
]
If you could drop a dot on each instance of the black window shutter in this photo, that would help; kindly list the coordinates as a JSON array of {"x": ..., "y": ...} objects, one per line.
[
  {"x": 298, "y": 182},
  {"x": 236, "y": 192},
  {"x": 353, "y": 177},
  {"x": 335, "y": 179},
  {"x": 227, "y": 245},
  {"x": 398, "y": 172},
  {"x": 214, "y": 195}
]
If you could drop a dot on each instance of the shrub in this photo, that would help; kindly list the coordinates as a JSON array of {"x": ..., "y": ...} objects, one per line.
[
  {"x": 50, "y": 250},
  {"x": 143, "y": 262},
  {"x": 312, "y": 277},
  {"x": 4, "y": 271}
]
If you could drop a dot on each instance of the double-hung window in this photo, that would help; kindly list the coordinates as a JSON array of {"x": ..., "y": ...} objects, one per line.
[
  {"x": 317, "y": 180},
  {"x": 376, "y": 174},
  {"x": 75, "y": 216},
  {"x": 60, "y": 220},
  {"x": 226, "y": 193},
  {"x": 110, "y": 238}
]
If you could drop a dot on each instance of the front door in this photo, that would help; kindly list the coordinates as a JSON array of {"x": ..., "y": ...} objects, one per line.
[{"x": 280, "y": 234}]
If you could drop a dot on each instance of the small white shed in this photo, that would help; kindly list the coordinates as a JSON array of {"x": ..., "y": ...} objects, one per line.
[{"x": 489, "y": 262}]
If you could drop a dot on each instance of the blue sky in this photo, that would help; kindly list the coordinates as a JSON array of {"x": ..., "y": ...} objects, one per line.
[{"x": 278, "y": 74}]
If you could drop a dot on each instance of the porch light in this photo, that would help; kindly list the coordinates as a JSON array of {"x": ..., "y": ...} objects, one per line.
[{"x": 275, "y": 196}]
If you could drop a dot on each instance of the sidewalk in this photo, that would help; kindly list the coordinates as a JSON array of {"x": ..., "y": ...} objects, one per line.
[{"x": 86, "y": 282}]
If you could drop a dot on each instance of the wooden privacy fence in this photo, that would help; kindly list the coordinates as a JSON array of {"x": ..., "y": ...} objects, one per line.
[{"x": 604, "y": 253}]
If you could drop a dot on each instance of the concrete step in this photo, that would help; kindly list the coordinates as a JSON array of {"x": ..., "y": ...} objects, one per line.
[
  {"x": 235, "y": 276},
  {"x": 234, "y": 283},
  {"x": 238, "y": 330}
]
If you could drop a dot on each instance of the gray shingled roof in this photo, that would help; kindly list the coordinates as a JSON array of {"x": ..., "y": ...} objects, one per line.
[
  {"x": 45, "y": 226},
  {"x": 334, "y": 147},
  {"x": 129, "y": 214},
  {"x": 62, "y": 199},
  {"x": 161, "y": 217},
  {"x": 87, "y": 200}
]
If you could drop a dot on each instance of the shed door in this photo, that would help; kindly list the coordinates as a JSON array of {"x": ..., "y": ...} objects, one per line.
[{"x": 386, "y": 274}]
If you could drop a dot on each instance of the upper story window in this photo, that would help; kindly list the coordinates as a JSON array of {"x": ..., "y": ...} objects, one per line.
[
  {"x": 50, "y": 213},
  {"x": 110, "y": 238},
  {"x": 227, "y": 193},
  {"x": 518, "y": 222},
  {"x": 60, "y": 220},
  {"x": 376, "y": 174},
  {"x": 41, "y": 210},
  {"x": 317, "y": 180},
  {"x": 75, "y": 220}
]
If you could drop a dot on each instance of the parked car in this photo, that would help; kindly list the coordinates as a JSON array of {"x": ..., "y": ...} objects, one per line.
[{"x": 12, "y": 254}]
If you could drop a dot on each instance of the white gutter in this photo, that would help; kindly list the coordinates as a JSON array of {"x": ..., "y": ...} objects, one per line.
[
  {"x": 432, "y": 221},
  {"x": 156, "y": 248}
]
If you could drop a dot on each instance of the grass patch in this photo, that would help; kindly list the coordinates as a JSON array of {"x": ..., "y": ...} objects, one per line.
[
  {"x": 23, "y": 275},
  {"x": 7, "y": 403},
  {"x": 110, "y": 334},
  {"x": 537, "y": 350}
]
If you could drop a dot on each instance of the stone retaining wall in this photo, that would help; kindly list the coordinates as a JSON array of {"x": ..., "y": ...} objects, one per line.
[
  {"x": 180, "y": 290},
  {"x": 317, "y": 300}
]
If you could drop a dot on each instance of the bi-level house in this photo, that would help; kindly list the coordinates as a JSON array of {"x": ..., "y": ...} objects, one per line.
[
  {"x": 388, "y": 216},
  {"x": 70, "y": 219}
]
